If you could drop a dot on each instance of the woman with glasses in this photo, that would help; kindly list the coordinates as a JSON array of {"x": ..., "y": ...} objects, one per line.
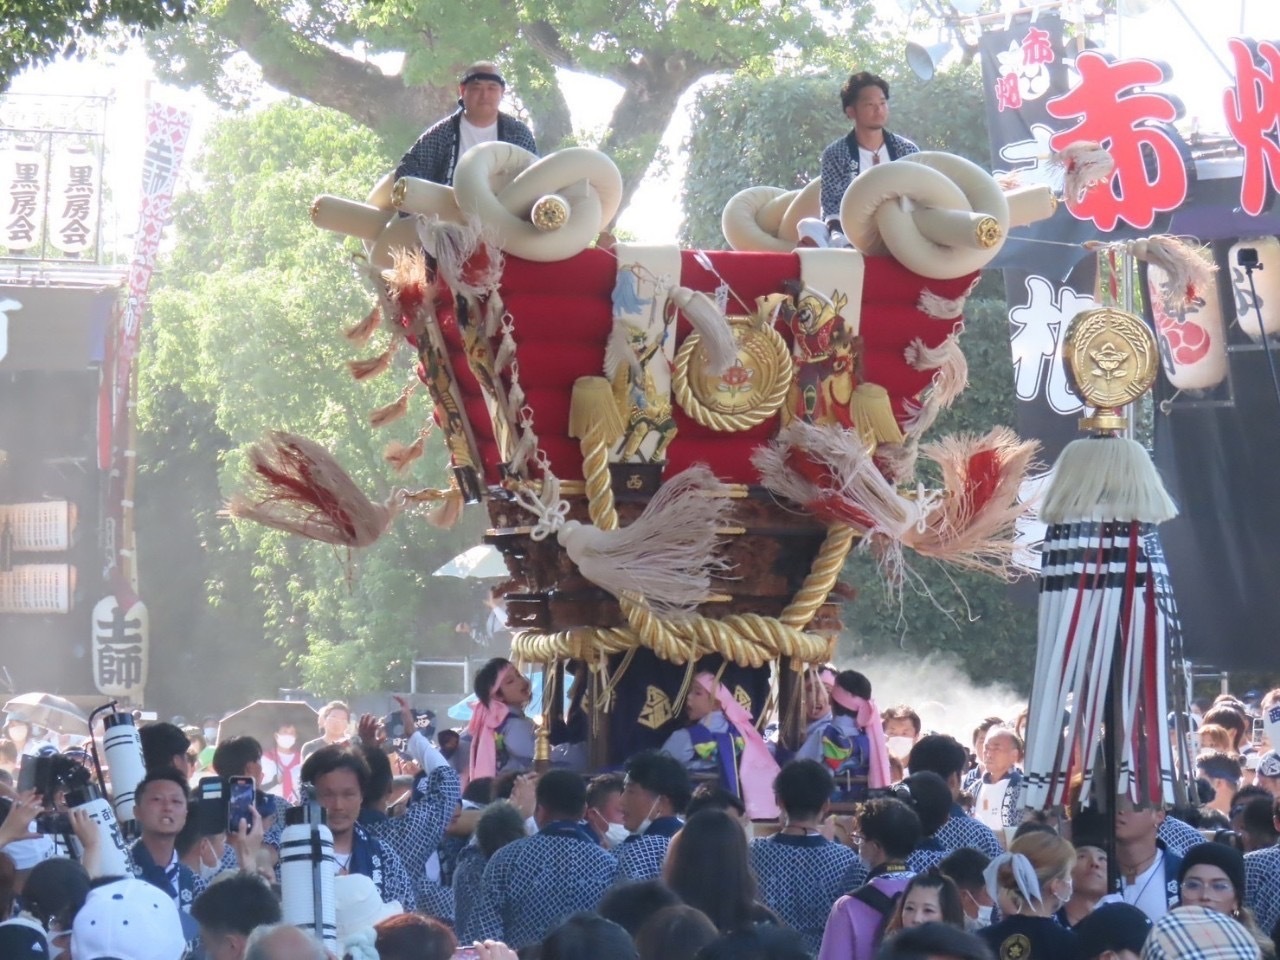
[{"x": 1212, "y": 876}]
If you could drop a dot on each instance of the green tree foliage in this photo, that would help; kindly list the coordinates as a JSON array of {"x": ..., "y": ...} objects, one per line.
[
  {"x": 655, "y": 52},
  {"x": 245, "y": 337},
  {"x": 771, "y": 130},
  {"x": 36, "y": 31}
]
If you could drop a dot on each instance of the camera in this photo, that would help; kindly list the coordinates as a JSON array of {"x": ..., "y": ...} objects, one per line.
[
  {"x": 49, "y": 772},
  {"x": 1247, "y": 257}
]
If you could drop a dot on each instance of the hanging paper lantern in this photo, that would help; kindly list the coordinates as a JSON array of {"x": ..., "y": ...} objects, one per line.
[
  {"x": 1193, "y": 339},
  {"x": 39, "y": 527},
  {"x": 120, "y": 648},
  {"x": 1266, "y": 281}
]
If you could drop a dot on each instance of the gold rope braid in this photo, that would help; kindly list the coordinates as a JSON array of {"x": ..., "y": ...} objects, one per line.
[
  {"x": 774, "y": 367},
  {"x": 748, "y": 639}
]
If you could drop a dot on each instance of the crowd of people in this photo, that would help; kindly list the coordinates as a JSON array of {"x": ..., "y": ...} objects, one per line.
[{"x": 457, "y": 841}]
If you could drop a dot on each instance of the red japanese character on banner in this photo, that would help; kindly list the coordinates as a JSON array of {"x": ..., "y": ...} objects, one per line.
[
  {"x": 1252, "y": 110},
  {"x": 1037, "y": 48},
  {"x": 1150, "y": 175},
  {"x": 1008, "y": 96}
]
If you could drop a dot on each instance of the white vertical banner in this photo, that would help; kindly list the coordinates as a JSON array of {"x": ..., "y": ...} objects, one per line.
[
  {"x": 75, "y": 184},
  {"x": 120, "y": 648},
  {"x": 23, "y": 178}
]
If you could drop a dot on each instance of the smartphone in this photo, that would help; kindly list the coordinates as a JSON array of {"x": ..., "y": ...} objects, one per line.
[
  {"x": 27, "y": 773},
  {"x": 211, "y": 806},
  {"x": 240, "y": 802}
]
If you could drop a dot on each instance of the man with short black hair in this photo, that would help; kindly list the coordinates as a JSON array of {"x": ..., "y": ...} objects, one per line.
[
  {"x": 230, "y": 910},
  {"x": 1251, "y": 817},
  {"x": 536, "y": 883},
  {"x": 930, "y": 798},
  {"x": 1223, "y": 773},
  {"x": 340, "y": 777},
  {"x": 945, "y": 756},
  {"x": 655, "y": 793},
  {"x": 966, "y": 868},
  {"x": 164, "y": 745},
  {"x": 864, "y": 99},
  {"x": 334, "y": 722},
  {"x": 477, "y": 120},
  {"x": 800, "y": 871},
  {"x": 161, "y": 812},
  {"x": 604, "y": 808}
]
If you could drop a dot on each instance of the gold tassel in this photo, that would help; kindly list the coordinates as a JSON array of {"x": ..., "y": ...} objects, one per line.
[
  {"x": 873, "y": 415},
  {"x": 593, "y": 412},
  {"x": 363, "y": 330},
  {"x": 393, "y": 411},
  {"x": 373, "y": 366}
]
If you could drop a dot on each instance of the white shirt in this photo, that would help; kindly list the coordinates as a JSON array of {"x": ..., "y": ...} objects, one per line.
[
  {"x": 1147, "y": 892},
  {"x": 989, "y": 803},
  {"x": 472, "y": 135},
  {"x": 870, "y": 158}
]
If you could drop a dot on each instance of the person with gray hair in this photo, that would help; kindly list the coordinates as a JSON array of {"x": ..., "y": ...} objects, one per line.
[{"x": 283, "y": 941}]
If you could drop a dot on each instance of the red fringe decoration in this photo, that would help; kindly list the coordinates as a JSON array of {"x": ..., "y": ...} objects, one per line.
[
  {"x": 392, "y": 411},
  {"x": 297, "y": 486}
]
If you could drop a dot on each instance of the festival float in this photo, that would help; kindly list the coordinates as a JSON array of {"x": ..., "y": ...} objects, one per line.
[{"x": 678, "y": 449}]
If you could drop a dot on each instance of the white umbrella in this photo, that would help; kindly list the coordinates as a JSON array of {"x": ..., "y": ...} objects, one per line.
[
  {"x": 48, "y": 710},
  {"x": 481, "y": 562}
]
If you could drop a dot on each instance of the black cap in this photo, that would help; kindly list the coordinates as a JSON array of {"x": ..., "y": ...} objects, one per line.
[{"x": 1113, "y": 926}]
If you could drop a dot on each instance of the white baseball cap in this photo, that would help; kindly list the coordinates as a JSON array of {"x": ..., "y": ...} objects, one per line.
[{"x": 128, "y": 920}]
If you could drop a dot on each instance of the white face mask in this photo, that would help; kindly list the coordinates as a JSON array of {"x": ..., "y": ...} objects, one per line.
[
  {"x": 648, "y": 819},
  {"x": 616, "y": 833},
  {"x": 285, "y": 740},
  {"x": 900, "y": 747},
  {"x": 208, "y": 872},
  {"x": 983, "y": 919}
]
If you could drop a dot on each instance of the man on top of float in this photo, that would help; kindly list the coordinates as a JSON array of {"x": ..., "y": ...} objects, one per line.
[
  {"x": 865, "y": 100},
  {"x": 477, "y": 120}
]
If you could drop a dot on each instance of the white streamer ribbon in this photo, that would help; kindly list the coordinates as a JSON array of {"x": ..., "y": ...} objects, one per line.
[{"x": 1024, "y": 875}]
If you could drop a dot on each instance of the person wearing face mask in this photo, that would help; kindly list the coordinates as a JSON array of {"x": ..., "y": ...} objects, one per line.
[
  {"x": 901, "y": 730},
  {"x": 801, "y": 872},
  {"x": 965, "y": 868},
  {"x": 655, "y": 793},
  {"x": 281, "y": 764},
  {"x": 852, "y": 745},
  {"x": 604, "y": 809},
  {"x": 1031, "y": 883}
]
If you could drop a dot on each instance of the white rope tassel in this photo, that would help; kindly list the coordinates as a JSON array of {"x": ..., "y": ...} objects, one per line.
[
  {"x": 718, "y": 347},
  {"x": 940, "y": 308},
  {"x": 667, "y": 555},
  {"x": 948, "y": 361},
  {"x": 1084, "y": 165},
  {"x": 1106, "y": 478}
]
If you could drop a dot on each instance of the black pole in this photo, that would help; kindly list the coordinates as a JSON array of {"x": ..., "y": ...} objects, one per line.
[{"x": 1111, "y": 747}]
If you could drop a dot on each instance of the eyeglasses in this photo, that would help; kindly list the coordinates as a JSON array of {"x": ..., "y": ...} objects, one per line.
[{"x": 1217, "y": 888}]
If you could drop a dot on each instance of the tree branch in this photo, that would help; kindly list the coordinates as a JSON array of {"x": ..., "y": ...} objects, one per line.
[{"x": 327, "y": 77}]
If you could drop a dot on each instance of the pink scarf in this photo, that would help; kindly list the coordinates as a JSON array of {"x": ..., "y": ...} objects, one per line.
[
  {"x": 483, "y": 728},
  {"x": 757, "y": 768},
  {"x": 867, "y": 715}
]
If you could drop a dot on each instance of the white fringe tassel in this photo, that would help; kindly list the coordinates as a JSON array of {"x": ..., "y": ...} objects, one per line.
[
  {"x": 718, "y": 346},
  {"x": 1106, "y": 478}
]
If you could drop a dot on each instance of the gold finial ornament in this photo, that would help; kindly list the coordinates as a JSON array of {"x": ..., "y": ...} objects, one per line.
[
  {"x": 398, "y": 191},
  {"x": 989, "y": 232},
  {"x": 550, "y": 212},
  {"x": 1112, "y": 358}
]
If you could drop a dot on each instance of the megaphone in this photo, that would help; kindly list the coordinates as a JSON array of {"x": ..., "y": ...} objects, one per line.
[{"x": 924, "y": 61}]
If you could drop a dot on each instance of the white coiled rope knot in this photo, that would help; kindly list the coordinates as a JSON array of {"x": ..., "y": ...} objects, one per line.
[
  {"x": 766, "y": 218},
  {"x": 937, "y": 214},
  {"x": 539, "y": 209}
]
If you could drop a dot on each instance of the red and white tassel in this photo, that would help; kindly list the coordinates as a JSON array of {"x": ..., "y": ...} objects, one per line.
[
  {"x": 1085, "y": 165},
  {"x": 297, "y": 486},
  {"x": 395, "y": 410}
]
